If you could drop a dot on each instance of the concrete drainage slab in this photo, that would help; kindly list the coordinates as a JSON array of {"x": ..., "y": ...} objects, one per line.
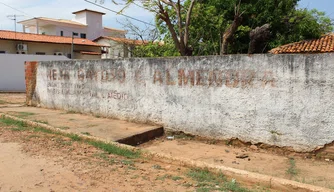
[{"x": 109, "y": 129}]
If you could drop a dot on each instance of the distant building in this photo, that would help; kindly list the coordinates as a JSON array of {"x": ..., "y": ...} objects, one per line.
[
  {"x": 116, "y": 47},
  {"x": 324, "y": 44},
  {"x": 35, "y": 44},
  {"x": 86, "y": 24}
]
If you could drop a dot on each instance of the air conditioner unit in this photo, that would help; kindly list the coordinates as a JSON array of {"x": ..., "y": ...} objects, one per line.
[
  {"x": 22, "y": 47},
  {"x": 59, "y": 53}
]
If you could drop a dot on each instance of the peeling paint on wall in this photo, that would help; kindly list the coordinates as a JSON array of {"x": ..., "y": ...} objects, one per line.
[{"x": 282, "y": 100}]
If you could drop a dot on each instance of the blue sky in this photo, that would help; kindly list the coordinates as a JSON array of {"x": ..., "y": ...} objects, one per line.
[
  {"x": 322, "y": 5},
  {"x": 64, "y": 8}
]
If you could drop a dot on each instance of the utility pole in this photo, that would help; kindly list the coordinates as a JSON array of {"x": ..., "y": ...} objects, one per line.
[
  {"x": 72, "y": 47},
  {"x": 14, "y": 18}
]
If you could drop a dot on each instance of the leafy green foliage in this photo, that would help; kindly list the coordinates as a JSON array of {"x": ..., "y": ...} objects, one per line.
[
  {"x": 155, "y": 50},
  {"x": 287, "y": 24}
]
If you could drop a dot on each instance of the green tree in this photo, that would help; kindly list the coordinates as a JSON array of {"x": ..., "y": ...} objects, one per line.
[
  {"x": 211, "y": 20},
  {"x": 155, "y": 50}
]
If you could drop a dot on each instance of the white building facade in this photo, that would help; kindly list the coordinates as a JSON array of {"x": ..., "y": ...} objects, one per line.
[{"x": 87, "y": 24}]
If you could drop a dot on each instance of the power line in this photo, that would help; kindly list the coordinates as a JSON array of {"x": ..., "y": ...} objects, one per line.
[
  {"x": 120, "y": 13},
  {"x": 14, "y": 9},
  {"x": 29, "y": 15}
]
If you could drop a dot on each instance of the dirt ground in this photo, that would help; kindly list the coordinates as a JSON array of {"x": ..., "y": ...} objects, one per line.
[
  {"x": 304, "y": 168},
  {"x": 39, "y": 161},
  {"x": 12, "y": 98},
  {"x": 42, "y": 162}
]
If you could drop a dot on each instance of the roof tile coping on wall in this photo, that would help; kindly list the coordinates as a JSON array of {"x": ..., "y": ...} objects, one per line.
[{"x": 324, "y": 44}]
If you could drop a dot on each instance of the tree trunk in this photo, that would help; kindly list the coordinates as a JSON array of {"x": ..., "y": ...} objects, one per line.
[
  {"x": 229, "y": 34},
  {"x": 258, "y": 38}
]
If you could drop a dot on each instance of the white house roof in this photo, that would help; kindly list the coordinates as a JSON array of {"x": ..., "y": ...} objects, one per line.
[
  {"x": 114, "y": 29},
  {"x": 48, "y": 20},
  {"x": 88, "y": 10}
]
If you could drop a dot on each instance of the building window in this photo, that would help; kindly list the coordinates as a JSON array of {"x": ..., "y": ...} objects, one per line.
[
  {"x": 40, "y": 53},
  {"x": 61, "y": 33},
  {"x": 2, "y": 52},
  {"x": 83, "y": 35}
]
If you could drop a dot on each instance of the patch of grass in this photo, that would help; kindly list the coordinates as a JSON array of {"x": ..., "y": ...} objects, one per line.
[
  {"x": 105, "y": 157},
  {"x": 92, "y": 125},
  {"x": 163, "y": 177},
  {"x": 41, "y": 121},
  {"x": 176, "y": 178},
  {"x": 187, "y": 185},
  {"x": 16, "y": 125},
  {"x": 107, "y": 147},
  {"x": 64, "y": 128},
  {"x": 43, "y": 130},
  {"x": 19, "y": 129},
  {"x": 135, "y": 177},
  {"x": 145, "y": 178},
  {"x": 24, "y": 114},
  {"x": 3, "y": 102},
  {"x": 74, "y": 137},
  {"x": 71, "y": 112},
  {"x": 204, "y": 189},
  {"x": 157, "y": 167},
  {"x": 33, "y": 136},
  {"x": 132, "y": 168},
  {"x": 63, "y": 142},
  {"x": 113, "y": 149},
  {"x": 97, "y": 116},
  {"x": 204, "y": 175},
  {"x": 208, "y": 181},
  {"x": 128, "y": 162},
  {"x": 86, "y": 133},
  {"x": 182, "y": 135},
  {"x": 233, "y": 186},
  {"x": 292, "y": 171},
  {"x": 72, "y": 119},
  {"x": 8, "y": 122}
]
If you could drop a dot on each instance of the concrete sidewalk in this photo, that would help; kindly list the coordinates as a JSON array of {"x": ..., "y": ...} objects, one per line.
[{"x": 109, "y": 129}]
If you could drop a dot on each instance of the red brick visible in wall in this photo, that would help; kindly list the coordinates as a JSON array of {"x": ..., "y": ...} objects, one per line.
[{"x": 30, "y": 77}]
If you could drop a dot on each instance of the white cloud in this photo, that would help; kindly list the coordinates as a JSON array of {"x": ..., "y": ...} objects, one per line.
[{"x": 63, "y": 9}]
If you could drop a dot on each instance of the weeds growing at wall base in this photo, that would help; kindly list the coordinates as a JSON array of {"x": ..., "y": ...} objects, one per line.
[{"x": 107, "y": 147}]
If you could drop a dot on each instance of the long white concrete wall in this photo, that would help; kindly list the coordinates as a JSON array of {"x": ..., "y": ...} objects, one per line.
[
  {"x": 282, "y": 100},
  {"x": 12, "y": 70}
]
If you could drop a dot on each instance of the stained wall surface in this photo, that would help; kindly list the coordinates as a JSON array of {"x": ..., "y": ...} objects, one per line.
[{"x": 282, "y": 100}]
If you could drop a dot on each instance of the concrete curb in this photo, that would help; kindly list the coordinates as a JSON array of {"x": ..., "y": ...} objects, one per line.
[{"x": 241, "y": 176}]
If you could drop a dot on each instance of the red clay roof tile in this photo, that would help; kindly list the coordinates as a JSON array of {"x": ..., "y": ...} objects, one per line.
[
  {"x": 11, "y": 35},
  {"x": 323, "y": 45}
]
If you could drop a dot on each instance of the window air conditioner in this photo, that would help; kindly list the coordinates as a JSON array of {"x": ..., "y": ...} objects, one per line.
[{"x": 22, "y": 47}]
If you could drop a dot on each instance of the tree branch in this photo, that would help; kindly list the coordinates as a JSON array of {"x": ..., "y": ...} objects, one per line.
[{"x": 188, "y": 19}]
